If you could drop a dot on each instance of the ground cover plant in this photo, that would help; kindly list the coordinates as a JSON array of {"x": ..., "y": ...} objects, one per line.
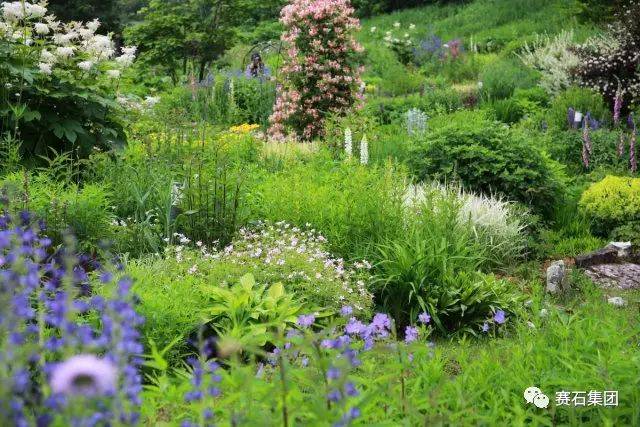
[{"x": 319, "y": 212}]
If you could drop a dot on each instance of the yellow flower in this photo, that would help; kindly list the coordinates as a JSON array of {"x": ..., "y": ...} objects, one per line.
[{"x": 244, "y": 128}]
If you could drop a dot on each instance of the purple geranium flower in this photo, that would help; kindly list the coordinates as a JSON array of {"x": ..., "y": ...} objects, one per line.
[
  {"x": 306, "y": 320},
  {"x": 85, "y": 375},
  {"x": 424, "y": 318},
  {"x": 411, "y": 334},
  {"x": 346, "y": 311},
  {"x": 500, "y": 317}
]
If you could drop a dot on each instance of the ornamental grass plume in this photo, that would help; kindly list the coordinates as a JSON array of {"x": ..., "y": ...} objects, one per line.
[{"x": 321, "y": 72}]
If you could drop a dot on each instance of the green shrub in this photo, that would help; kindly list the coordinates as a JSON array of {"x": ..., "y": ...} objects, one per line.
[
  {"x": 501, "y": 78},
  {"x": 613, "y": 205},
  {"x": 580, "y": 99},
  {"x": 83, "y": 210},
  {"x": 488, "y": 158},
  {"x": 432, "y": 101},
  {"x": 566, "y": 147},
  {"x": 434, "y": 267},
  {"x": 354, "y": 206}
]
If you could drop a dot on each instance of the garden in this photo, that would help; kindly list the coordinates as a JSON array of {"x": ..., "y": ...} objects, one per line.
[{"x": 319, "y": 213}]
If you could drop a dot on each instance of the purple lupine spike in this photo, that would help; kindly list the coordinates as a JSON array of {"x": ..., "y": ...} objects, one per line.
[
  {"x": 617, "y": 108},
  {"x": 571, "y": 117},
  {"x": 631, "y": 122}
]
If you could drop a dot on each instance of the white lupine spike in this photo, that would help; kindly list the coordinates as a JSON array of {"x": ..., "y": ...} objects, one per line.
[
  {"x": 364, "y": 150},
  {"x": 348, "y": 142}
]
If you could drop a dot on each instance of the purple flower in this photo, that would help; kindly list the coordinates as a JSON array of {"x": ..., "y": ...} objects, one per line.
[
  {"x": 346, "y": 311},
  {"x": 411, "y": 334},
  {"x": 306, "y": 320},
  {"x": 500, "y": 317},
  {"x": 424, "y": 318},
  {"x": 617, "y": 108},
  {"x": 354, "y": 327},
  {"x": 485, "y": 327},
  {"x": 333, "y": 373},
  {"x": 85, "y": 375},
  {"x": 350, "y": 389}
]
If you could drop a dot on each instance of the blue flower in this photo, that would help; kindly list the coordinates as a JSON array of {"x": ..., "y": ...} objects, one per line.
[
  {"x": 500, "y": 317},
  {"x": 424, "y": 318},
  {"x": 306, "y": 320}
]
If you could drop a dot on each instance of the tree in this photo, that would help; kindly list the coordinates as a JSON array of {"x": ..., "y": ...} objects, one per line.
[
  {"x": 173, "y": 35},
  {"x": 87, "y": 10}
]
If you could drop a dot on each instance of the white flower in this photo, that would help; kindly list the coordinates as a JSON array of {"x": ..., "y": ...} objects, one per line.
[
  {"x": 151, "y": 101},
  {"x": 85, "y": 65},
  {"x": 373, "y": 29},
  {"x": 129, "y": 50},
  {"x": 114, "y": 74},
  {"x": 99, "y": 46},
  {"x": 45, "y": 68},
  {"x": 348, "y": 142},
  {"x": 41, "y": 28},
  {"x": 364, "y": 150},
  {"x": 93, "y": 25},
  {"x": 412, "y": 27},
  {"x": 35, "y": 10},
  {"x": 64, "y": 52},
  {"x": 480, "y": 85},
  {"x": 125, "y": 60},
  {"x": 47, "y": 56},
  {"x": 396, "y": 25}
]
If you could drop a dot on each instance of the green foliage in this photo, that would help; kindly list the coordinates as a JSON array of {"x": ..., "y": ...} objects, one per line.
[
  {"x": 83, "y": 210},
  {"x": 488, "y": 158},
  {"x": 389, "y": 76},
  {"x": 353, "y": 206},
  {"x": 434, "y": 267},
  {"x": 580, "y": 99},
  {"x": 566, "y": 147},
  {"x": 431, "y": 100},
  {"x": 246, "y": 311},
  {"x": 173, "y": 34},
  {"x": 613, "y": 205},
  {"x": 501, "y": 79}
]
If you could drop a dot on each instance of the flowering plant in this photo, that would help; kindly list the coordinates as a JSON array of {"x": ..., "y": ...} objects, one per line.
[
  {"x": 322, "y": 67},
  {"x": 66, "y": 353},
  {"x": 57, "y": 80}
]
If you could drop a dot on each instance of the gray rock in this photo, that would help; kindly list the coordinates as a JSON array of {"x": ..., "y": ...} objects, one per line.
[
  {"x": 608, "y": 255},
  {"x": 557, "y": 277},
  {"x": 617, "y": 301},
  {"x": 624, "y": 248},
  {"x": 621, "y": 276}
]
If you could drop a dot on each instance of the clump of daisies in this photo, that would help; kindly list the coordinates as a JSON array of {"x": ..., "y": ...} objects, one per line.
[{"x": 279, "y": 252}]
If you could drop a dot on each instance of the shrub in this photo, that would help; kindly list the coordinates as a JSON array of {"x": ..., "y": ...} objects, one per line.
[
  {"x": 390, "y": 77},
  {"x": 554, "y": 58},
  {"x": 610, "y": 64},
  {"x": 613, "y": 205},
  {"x": 488, "y": 158},
  {"x": 434, "y": 266},
  {"x": 322, "y": 66},
  {"x": 58, "y": 81},
  {"x": 501, "y": 78},
  {"x": 431, "y": 101}
]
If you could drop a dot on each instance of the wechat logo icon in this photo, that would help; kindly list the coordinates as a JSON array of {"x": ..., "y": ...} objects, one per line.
[{"x": 537, "y": 397}]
